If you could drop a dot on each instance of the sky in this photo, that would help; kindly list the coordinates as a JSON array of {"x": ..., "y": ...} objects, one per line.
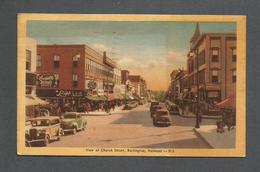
[{"x": 149, "y": 49}]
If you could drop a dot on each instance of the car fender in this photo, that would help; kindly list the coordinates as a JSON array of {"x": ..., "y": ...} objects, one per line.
[{"x": 74, "y": 124}]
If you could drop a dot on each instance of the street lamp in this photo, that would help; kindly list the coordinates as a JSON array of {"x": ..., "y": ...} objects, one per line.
[
  {"x": 126, "y": 89},
  {"x": 195, "y": 52}
]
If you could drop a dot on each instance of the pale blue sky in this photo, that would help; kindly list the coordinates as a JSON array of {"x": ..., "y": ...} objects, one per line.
[{"x": 141, "y": 47}]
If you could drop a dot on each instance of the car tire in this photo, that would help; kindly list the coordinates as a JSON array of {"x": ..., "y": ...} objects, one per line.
[
  {"x": 84, "y": 127},
  {"x": 47, "y": 140},
  {"x": 74, "y": 131}
]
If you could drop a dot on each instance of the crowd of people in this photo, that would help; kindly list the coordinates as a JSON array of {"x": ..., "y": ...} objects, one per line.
[{"x": 72, "y": 106}]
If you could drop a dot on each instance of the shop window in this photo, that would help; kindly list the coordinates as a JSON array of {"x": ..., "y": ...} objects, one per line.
[
  {"x": 75, "y": 60},
  {"x": 215, "y": 55},
  {"x": 215, "y": 76},
  {"x": 39, "y": 61},
  {"x": 57, "y": 79},
  {"x": 234, "y": 54},
  {"x": 234, "y": 76},
  {"x": 28, "y": 59},
  {"x": 75, "y": 80},
  {"x": 56, "y": 61}
]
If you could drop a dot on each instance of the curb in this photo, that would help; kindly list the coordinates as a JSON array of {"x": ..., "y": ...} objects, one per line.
[
  {"x": 203, "y": 117},
  {"x": 199, "y": 135}
]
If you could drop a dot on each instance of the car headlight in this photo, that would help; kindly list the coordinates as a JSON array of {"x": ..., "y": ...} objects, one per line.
[{"x": 41, "y": 132}]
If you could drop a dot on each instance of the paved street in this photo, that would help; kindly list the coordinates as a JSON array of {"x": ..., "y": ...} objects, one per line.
[{"x": 134, "y": 129}]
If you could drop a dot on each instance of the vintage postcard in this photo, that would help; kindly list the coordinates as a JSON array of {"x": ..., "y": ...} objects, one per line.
[{"x": 131, "y": 85}]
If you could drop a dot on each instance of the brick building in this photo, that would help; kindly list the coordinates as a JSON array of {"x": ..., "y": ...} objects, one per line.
[
  {"x": 212, "y": 59},
  {"x": 139, "y": 85},
  {"x": 70, "y": 72}
]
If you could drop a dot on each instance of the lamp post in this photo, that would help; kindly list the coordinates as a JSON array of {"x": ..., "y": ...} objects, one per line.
[
  {"x": 197, "y": 111},
  {"x": 195, "y": 52},
  {"x": 126, "y": 89}
]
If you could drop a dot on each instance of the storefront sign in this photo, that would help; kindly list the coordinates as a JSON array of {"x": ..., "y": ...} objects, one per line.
[
  {"x": 59, "y": 93},
  {"x": 47, "y": 81},
  {"x": 69, "y": 93},
  {"x": 90, "y": 84}
]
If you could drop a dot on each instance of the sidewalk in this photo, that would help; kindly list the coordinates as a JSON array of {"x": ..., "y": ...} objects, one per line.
[
  {"x": 192, "y": 115},
  {"x": 214, "y": 139},
  {"x": 102, "y": 113}
]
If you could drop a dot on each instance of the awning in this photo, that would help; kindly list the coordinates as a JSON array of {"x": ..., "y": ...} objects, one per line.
[
  {"x": 118, "y": 96},
  {"x": 210, "y": 86},
  {"x": 125, "y": 96},
  {"x": 110, "y": 97},
  {"x": 97, "y": 98},
  {"x": 33, "y": 100},
  {"x": 131, "y": 97},
  {"x": 136, "y": 97},
  {"x": 228, "y": 103}
]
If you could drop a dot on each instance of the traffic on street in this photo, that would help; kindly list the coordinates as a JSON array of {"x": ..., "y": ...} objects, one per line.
[{"x": 133, "y": 128}]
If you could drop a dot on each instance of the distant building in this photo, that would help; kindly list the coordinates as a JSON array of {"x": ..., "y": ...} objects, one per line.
[
  {"x": 30, "y": 66},
  {"x": 32, "y": 101},
  {"x": 124, "y": 76},
  {"x": 214, "y": 54},
  {"x": 178, "y": 85},
  {"x": 139, "y": 84}
]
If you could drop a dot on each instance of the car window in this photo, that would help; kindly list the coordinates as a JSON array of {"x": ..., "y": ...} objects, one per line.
[
  {"x": 55, "y": 121},
  {"x": 66, "y": 116},
  {"x": 40, "y": 123},
  {"x": 162, "y": 113}
]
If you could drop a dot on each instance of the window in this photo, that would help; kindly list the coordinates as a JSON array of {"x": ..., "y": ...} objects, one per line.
[
  {"x": 201, "y": 57},
  {"x": 56, "y": 61},
  {"x": 75, "y": 60},
  {"x": 215, "y": 76},
  {"x": 39, "y": 61},
  {"x": 28, "y": 59},
  {"x": 56, "y": 76},
  {"x": 75, "y": 80},
  {"x": 201, "y": 76},
  {"x": 234, "y": 76},
  {"x": 234, "y": 54},
  {"x": 215, "y": 55}
]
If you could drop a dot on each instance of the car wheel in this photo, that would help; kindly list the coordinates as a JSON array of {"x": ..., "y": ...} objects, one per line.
[
  {"x": 74, "y": 131},
  {"x": 47, "y": 140},
  {"x": 59, "y": 134},
  {"x": 84, "y": 127},
  {"x": 58, "y": 138}
]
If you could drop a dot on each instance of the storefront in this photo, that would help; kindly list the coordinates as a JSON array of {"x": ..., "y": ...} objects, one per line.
[{"x": 62, "y": 97}]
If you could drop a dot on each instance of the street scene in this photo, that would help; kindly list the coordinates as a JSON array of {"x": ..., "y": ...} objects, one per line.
[{"x": 130, "y": 84}]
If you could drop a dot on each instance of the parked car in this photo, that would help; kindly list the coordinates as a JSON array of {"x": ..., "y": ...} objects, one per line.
[
  {"x": 130, "y": 105},
  {"x": 156, "y": 107},
  {"x": 162, "y": 117},
  {"x": 73, "y": 122},
  {"x": 173, "y": 109},
  {"x": 43, "y": 130},
  {"x": 28, "y": 126},
  {"x": 153, "y": 103}
]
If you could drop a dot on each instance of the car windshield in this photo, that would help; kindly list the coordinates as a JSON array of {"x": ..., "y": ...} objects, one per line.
[
  {"x": 70, "y": 116},
  {"x": 157, "y": 107},
  {"x": 40, "y": 123},
  {"x": 162, "y": 113},
  {"x": 154, "y": 103}
]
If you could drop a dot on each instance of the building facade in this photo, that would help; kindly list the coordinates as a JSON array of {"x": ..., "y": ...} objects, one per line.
[
  {"x": 211, "y": 65},
  {"x": 139, "y": 85},
  {"x": 71, "y": 72}
]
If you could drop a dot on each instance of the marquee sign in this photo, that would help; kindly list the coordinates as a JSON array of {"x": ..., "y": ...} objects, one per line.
[
  {"x": 59, "y": 93},
  {"x": 46, "y": 81}
]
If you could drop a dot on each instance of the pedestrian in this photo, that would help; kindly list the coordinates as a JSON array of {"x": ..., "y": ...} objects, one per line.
[{"x": 113, "y": 105}]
